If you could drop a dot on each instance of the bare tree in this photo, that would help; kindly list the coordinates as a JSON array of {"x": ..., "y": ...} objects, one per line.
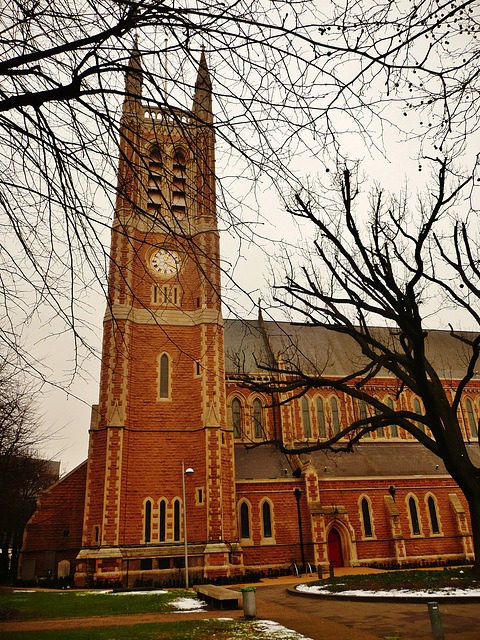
[
  {"x": 287, "y": 77},
  {"x": 23, "y": 474},
  {"x": 383, "y": 284}
]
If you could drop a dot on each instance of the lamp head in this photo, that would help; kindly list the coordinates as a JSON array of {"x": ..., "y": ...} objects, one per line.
[{"x": 189, "y": 470}]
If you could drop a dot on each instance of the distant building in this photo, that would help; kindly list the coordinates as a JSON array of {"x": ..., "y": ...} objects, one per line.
[{"x": 170, "y": 391}]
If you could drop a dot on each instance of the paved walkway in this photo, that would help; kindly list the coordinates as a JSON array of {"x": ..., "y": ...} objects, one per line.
[{"x": 316, "y": 619}]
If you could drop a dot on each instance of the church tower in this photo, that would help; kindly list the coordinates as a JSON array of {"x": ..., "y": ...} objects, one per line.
[{"x": 162, "y": 388}]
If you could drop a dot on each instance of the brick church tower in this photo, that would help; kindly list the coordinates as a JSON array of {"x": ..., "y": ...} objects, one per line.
[{"x": 162, "y": 386}]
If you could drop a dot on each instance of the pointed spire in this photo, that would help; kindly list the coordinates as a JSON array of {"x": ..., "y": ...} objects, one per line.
[
  {"x": 133, "y": 79},
  {"x": 202, "y": 101}
]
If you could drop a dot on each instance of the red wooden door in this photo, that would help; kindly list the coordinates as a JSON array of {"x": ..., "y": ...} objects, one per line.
[{"x": 335, "y": 548}]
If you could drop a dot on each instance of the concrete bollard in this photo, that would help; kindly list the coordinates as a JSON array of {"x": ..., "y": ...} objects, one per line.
[
  {"x": 249, "y": 602},
  {"x": 436, "y": 621}
]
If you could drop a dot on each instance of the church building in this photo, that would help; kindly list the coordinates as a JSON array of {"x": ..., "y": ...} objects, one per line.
[{"x": 173, "y": 469}]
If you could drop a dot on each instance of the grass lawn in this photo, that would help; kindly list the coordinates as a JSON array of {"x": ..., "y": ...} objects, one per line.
[
  {"x": 181, "y": 630},
  {"x": 21, "y": 605},
  {"x": 462, "y": 578}
]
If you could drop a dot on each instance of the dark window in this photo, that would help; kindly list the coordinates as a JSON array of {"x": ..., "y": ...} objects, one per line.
[
  {"x": 146, "y": 564},
  {"x": 164, "y": 376},
  {"x": 433, "y": 515},
  {"x": 148, "y": 520},
  {"x": 367, "y": 523},
  {"x": 414, "y": 516},
  {"x": 200, "y": 495},
  {"x": 257, "y": 418},
  {"x": 244, "y": 521},
  {"x": 97, "y": 534},
  {"x": 237, "y": 418},
  {"x": 66, "y": 533},
  {"x": 322, "y": 432},
  {"x": 380, "y": 430},
  {"x": 307, "y": 430},
  {"x": 176, "y": 520},
  {"x": 418, "y": 409},
  {"x": 267, "y": 519},
  {"x": 471, "y": 418},
  {"x": 393, "y": 427},
  {"x": 164, "y": 563},
  {"x": 162, "y": 520},
  {"x": 178, "y": 183},
  {"x": 335, "y": 415},
  {"x": 179, "y": 563},
  {"x": 362, "y": 407}
]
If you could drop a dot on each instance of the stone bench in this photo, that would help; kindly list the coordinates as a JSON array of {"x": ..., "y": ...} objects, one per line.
[{"x": 218, "y": 597}]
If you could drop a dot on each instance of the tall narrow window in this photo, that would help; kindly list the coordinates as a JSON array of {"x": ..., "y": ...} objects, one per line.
[
  {"x": 267, "y": 519},
  {"x": 237, "y": 418},
  {"x": 176, "y": 520},
  {"x": 393, "y": 427},
  {"x": 335, "y": 415},
  {"x": 307, "y": 429},
  {"x": 418, "y": 409},
  {"x": 362, "y": 407},
  {"x": 380, "y": 430},
  {"x": 471, "y": 418},
  {"x": 257, "y": 418},
  {"x": 148, "y": 521},
  {"x": 367, "y": 522},
  {"x": 164, "y": 376},
  {"x": 162, "y": 521},
  {"x": 432, "y": 509},
  {"x": 244, "y": 520},
  {"x": 178, "y": 184},
  {"x": 412, "y": 505},
  {"x": 155, "y": 195},
  {"x": 322, "y": 432}
]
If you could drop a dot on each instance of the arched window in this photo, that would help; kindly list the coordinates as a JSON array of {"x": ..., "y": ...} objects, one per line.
[
  {"x": 162, "y": 520},
  {"x": 237, "y": 418},
  {"x": 380, "y": 430},
  {"x": 176, "y": 520},
  {"x": 267, "y": 519},
  {"x": 244, "y": 520},
  {"x": 412, "y": 505},
  {"x": 322, "y": 432},
  {"x": 418, "y": 409},
  {"x": 432, "y": 510},
  {"x": 97, "y": 534},
  {"x": 164, "y": 376},
  {"x": 148, "y": 521},
  {"x": 335, "y": 415},
  {"x": 362, "y": 408},
  {"x": 471, "y": 418},
  {"x": 367, "y": 521},
  {"x": 155, "y": 183},
  {"x": 178, "y": 184},
  {"x": 257, "y": 418},
  {"x": 393, "y": 427},
  {"x": 307, "y": 430}
]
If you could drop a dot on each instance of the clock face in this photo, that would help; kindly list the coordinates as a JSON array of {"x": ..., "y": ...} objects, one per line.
[{"x": 165, "y": 262}]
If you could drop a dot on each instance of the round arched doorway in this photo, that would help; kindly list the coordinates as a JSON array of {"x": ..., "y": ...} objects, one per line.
[{"x": 334, "y": 544}]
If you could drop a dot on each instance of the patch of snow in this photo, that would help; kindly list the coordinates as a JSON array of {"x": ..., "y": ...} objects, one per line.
[
  {"x": 225, "y": 619},
  {"x": 24, "y": 591},
  {"x": 396, "y": 593},
  {"x": 275, "y": 630},
  {"x": 188, "y": 605},
  {"x": 155, "y": 592}
]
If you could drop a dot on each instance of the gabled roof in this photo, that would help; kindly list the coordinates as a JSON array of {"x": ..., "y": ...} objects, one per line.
[{"x": 315, "y": 349}]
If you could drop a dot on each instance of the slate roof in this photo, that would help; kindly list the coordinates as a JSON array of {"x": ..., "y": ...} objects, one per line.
[
  {"x": 317, "y": 349},
  {"x": 262, "y": 463}
]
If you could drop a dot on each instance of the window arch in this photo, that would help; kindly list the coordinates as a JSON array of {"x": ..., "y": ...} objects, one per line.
[
  {"x": 393, "y": 427},
  {"x": 322, "y": 431},
  {"x": 237, "y": 418},
  {"x": 307, "y": 429},
  {"x": 147, "y": 523},
  {"x": 164, "y": 377},
  {"x": 433, "y": 513},
  {"x": 267, "y": 529},
  {"x": 414, "y": 521},
  {"x": 335, "y": 415},
  {"x": 244, "y": 520},
  {"x": 257, "y": 418},
  {"x": 176, "y": 520},
  {"x": 418, "y": 409},
  {"x": 162, "y": 520},
  {"x": 471, "y": 418},
  {"x": 366, "y": 518}
]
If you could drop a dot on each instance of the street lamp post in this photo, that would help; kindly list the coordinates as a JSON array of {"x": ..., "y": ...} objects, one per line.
[
  {"x": 189, "y": 470},
  {"x": 297, "y": 493}
]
